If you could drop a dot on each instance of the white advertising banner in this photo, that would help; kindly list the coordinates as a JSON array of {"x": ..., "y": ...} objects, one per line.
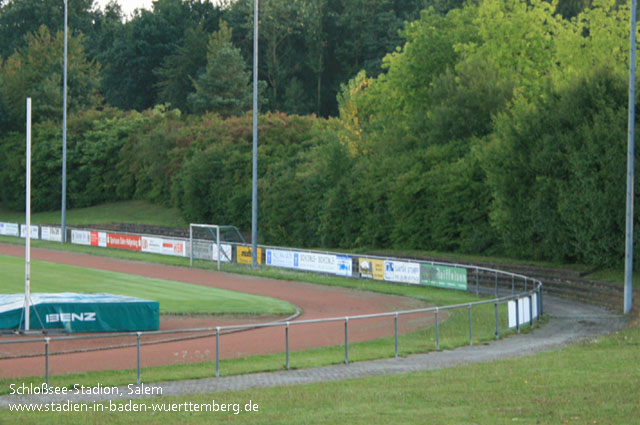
[
  {"x": 344, "y": 265},
  {"x": 323, "y": 263},
  {"x": 310, "y": 261},
  {"x": 279, "y": 258},
  {"x": 34, "y": 231},
  {"x": 99, "y": 239},
  {"x": 81, "y": 237},
  {"x": 524, "y": 310},
  {"x": 9, "y": 229},
  {"x": 163, "y": 246},
  {"x": 225, "y": 252},
  {"x": 401, "y": 271},
  {"x": 51, "y": 234}
]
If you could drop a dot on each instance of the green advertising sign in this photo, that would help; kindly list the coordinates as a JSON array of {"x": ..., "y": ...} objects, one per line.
[{"x": 443, "y": 277}]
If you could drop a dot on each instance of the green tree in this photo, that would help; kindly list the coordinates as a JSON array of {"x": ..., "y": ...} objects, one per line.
[
  {"x": 141, "y": 45},
  {"x": 21, "y": 17},
  {"x": 224, "y": 86},
  {"x": 36, "y": 71},
  {"x": 181, "y": 68}
]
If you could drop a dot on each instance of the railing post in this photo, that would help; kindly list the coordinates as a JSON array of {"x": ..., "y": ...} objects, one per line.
[
  {"x": 138, "y": 344},
  {"x": 513, "y": 285},
  {"x": 437, "y": 330},
  {"x": 540, "y": 310},
  {"x": 530, "y": 311},
  {"x": 395, "y": 332},
  {"x": 217, "y": 351},
  {"x": 477, "y": 278},
  {"x": 190, "y": 246},
  {"x": 46, "y": 353},
  {"x": 346, "y": 340},
  {"x": 497, "y": 326},
  {"x": 496, "y": 273},
  {"x": 287, "y": 343},
  {"x": 518, "y": 315},
  {"x": 470, "y": 327}
]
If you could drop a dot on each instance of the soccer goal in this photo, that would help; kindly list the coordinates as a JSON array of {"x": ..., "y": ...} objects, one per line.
[{"x": 212, "y": 242}]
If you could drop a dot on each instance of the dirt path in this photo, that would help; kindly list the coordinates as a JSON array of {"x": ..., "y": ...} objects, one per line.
[{"x": 315, "y": 301}]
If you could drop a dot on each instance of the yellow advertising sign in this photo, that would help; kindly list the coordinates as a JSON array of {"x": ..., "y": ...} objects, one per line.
[
  {"x": 243, "y": 254},
  {"x": 371, "y": 269}
]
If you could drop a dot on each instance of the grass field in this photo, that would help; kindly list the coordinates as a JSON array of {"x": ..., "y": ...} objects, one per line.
[
  {"x": 174, "y": 297},
  {"x": 118, "y": 212}
]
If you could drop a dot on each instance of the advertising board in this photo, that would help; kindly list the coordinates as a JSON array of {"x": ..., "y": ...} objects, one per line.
[
  {"x": 51, "y": 234},
  {"x": 370, "y": 268},
  {"x": 226, "y": 252},
  {"x": 443, "y": 277},
  {"x": 121, "y": 241},
  {"x": 279, "y": 258},
  {"x": 310, "y": 261},
  {"x": 9, "y": 229},
  {"x": 80, "y": 237},
  {"x": 401, "y": 271},
  {"x": 243, "y": 255},
  {"x": 524, "y": 310},
  {"x": 99, "y": 239},
  {"x": 34, "y": 231},
  {"x": 163, "y": 246}
]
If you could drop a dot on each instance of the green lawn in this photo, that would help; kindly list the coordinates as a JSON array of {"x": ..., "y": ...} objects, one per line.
[
  {"x": 596, "y": 382},
  {"x": 174, "y": 297},
  {"x": 119, "y": 212}
]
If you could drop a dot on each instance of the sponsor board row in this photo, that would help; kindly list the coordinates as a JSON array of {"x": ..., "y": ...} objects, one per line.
[
  {"x": 342, "y": 265},
  {"x": 413, "y": 273},
  {"x": 149, "y": 244},
  {"x": 308, "y": 261},
  {"x": 46, "y": 233}
]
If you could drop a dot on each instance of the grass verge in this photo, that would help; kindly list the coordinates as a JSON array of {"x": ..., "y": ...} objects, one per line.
[
  {"x": 139, "y": 212},
  {"x": 594, "y": 382}
]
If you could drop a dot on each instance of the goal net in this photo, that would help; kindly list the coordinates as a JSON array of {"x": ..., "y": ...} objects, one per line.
[{"x": 213, "y": 242}]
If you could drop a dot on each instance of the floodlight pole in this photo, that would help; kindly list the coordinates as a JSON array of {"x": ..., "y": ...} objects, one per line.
[
  {"x": 64, "y": 132},
  {"x": 254, "y": 180},
  {"x": 27, "y": 252},
  {"x": 628, "y": 259}
]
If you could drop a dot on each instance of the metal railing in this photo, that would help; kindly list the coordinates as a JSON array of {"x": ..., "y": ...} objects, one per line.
[{"x": 530, "y": 288}]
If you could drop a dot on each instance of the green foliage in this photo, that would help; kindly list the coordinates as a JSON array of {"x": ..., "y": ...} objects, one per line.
[
  {"x": 180, "y": 68},
  {"x": 140, "y": 46},
  {"x": 552, "y": 169},
  {"x": 21, "y": 17},
  {"x": 35, "y": 71},
  {"x": 224, "y": 86}
]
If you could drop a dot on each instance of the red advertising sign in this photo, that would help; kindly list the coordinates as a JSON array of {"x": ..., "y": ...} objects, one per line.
[{"x": 130, "y": 242}]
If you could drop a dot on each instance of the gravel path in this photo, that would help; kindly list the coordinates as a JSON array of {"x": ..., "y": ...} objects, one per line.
[{"x": 570, "y": 322}]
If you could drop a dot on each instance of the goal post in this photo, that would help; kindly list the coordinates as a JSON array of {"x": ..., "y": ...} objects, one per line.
[{"x": 210, "y": 242}]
